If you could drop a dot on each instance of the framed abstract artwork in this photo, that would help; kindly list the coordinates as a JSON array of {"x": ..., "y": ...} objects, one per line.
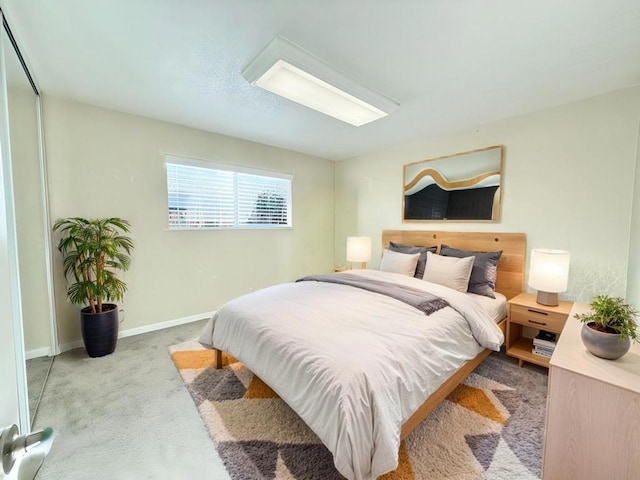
[{"x": 460, "y": 187}]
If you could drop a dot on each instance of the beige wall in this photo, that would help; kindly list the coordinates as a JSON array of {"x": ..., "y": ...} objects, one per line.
[
  {"x": 568, "y": 184},
  {"x": 633, "y": 276},
  {"x": 106, "y": 163}
]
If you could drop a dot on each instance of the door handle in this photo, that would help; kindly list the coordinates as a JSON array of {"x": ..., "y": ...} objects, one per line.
[{"x": 33, "y": 448}]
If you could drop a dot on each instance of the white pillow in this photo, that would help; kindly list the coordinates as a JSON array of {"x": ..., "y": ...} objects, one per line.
[
  {"x": 451, "y": 272},
  {"x": 395, "y": 262}
]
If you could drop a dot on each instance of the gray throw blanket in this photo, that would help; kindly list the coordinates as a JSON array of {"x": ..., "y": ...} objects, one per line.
[{"x": 423, "y": 301}]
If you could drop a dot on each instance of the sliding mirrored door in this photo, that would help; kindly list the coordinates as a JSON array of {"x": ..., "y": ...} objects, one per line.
[
  {"x": 13, "y": 402},
  {"x": 31, "y": 222}
]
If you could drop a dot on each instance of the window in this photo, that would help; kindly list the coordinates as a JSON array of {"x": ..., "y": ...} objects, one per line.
[{"x": 208, "y": 195}]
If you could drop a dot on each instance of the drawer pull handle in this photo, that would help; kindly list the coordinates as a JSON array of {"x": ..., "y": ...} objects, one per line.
[
  {"x": 537, "y": 311},
  {"x": 537, "y": 323}
]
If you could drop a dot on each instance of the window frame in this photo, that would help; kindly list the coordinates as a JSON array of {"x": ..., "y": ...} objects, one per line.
[{"x": 235, "y": 169}]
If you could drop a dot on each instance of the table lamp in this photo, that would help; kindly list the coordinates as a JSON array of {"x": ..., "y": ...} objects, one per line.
[
  {"x": 359, "y": 250},
  {"x": 549, "y": 274}
]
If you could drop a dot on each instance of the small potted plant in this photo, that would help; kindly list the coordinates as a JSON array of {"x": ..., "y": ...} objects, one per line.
[
  {"x": 609, "y": 328},
  {"x": 93, "y": 250}
]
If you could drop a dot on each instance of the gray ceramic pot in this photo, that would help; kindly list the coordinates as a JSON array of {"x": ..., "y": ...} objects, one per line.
[{"x": 604, "y": 345}]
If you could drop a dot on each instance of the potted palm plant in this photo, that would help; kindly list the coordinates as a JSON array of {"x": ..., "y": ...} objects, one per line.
[
  {"x": 609, "y": 328},
  {"x": 93, "y": 250}
]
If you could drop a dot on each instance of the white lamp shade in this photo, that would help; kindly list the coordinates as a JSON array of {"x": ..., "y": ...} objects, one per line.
[
  {"x": 549, "y": 270},
  {"x": 358, "y": 249}
]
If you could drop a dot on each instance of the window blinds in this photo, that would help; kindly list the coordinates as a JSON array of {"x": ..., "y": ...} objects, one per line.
[{"x": 220, "y": 197}]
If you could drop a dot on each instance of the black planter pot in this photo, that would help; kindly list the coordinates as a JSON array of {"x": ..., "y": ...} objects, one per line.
[{"x": 100, "y": 330}]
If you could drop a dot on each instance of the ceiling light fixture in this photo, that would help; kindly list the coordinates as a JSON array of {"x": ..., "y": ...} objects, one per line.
[{"x": 287, "y": 70}]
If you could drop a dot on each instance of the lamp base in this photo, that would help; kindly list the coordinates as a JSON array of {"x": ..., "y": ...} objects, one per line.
[
  {"x": 547, "y": 298},
  {"x": 363, "y": 265}
]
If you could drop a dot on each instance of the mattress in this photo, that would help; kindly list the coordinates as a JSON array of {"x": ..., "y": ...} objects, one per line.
[
  {"x": 496, "y": 308},
  {"x": 353, "y": 364}
]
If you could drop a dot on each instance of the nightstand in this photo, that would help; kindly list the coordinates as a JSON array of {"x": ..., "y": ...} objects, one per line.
[{"x": 524, "y": 311}]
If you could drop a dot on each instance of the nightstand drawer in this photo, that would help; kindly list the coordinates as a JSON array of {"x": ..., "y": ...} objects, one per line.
[{"x": 537, "y": 318}]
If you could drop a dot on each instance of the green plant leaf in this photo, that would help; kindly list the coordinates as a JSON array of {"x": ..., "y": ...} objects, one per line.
[
  {"x": 614, "y": 315},
  {"x": 93, "y": 250}
]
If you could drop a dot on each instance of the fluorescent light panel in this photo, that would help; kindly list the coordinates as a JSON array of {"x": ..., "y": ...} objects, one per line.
[
  {"x": 285, "y": 69},
  {"x": 290, "y": 82}
]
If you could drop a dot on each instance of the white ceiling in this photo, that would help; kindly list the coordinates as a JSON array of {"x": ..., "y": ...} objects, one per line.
[{"x": 450, "y": 64}]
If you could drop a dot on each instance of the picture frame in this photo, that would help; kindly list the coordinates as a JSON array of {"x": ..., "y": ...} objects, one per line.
[{"x": 461, "y": 187}]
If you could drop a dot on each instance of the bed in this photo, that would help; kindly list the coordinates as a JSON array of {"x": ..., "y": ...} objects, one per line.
[{"x": 364, "y": 369}]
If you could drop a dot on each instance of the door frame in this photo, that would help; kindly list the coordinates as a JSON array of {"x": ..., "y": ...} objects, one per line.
[{"x": 10, "y": 282}]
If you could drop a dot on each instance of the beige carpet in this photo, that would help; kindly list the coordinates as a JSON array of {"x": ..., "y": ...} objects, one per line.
[
  {"x": 489, "y": 427},
  {"x": 126, "y": 416}
]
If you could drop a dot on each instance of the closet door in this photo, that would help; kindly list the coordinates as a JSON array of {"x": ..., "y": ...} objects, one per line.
[{"x": 13, "y": 390}]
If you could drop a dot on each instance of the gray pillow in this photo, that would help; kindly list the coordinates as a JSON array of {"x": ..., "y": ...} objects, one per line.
[
  {"x": 422, "y": 260},
  {"x": 484, "y": 272}
]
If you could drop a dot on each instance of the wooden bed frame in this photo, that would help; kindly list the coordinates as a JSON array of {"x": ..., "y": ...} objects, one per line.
[
  {"x": 510, "y": 279},
  {"x": 509, "y": 282}
]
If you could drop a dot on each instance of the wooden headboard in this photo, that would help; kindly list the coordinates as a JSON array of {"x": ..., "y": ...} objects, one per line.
[{"x": 510, "y": 280}]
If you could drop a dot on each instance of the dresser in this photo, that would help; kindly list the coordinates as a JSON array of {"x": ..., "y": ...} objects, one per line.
[{"x": 593, "y": 412}]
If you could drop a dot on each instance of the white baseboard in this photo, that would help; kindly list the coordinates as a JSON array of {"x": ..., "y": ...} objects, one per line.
[
  {"x": 38, "y": 352},
  {"x": 144, "y": 329},
  {"x": 65, "y": 347},
  {"x": 168, "y": 324}
]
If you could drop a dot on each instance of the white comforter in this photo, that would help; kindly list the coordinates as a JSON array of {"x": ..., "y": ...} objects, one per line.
[{"x": 354, "y": 365}]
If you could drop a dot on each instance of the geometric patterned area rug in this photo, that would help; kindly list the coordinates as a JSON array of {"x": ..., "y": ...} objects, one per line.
[{"x": 490, "y": 427}]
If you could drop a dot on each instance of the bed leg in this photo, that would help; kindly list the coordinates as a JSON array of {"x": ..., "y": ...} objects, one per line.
[{"x": 217, "y": 358}]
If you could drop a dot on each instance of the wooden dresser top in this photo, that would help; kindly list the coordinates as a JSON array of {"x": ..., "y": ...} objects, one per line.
[{"x": 571, "y": 354}]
